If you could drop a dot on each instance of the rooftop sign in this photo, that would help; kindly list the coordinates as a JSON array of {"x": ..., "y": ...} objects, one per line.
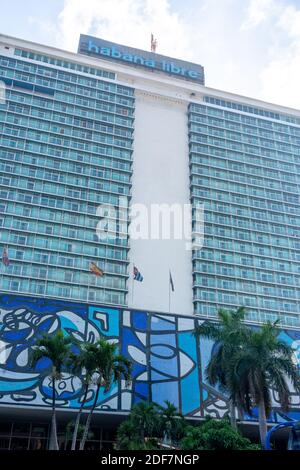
[{"x": 95, "y": 47}]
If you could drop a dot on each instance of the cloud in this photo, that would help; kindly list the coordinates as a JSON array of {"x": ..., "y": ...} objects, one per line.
[
  {"x": 126, "y": 21},
  {"x": 257, "y": 12},
  {"x": 250, "y": 48},
  {"x": 280, "y": 78},
  {"x": 43, "y": 25}
]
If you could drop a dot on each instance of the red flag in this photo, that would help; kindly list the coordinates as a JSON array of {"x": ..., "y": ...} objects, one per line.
[
  {"x": 5, "y": 258},
  {"x": 96, "y": 270}
]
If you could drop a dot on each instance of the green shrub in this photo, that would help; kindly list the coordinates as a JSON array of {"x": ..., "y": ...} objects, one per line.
[{"x": 215, "y": 435}]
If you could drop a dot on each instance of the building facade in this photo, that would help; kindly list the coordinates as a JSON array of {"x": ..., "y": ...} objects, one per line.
[
  {"x": 90, "y": 140},
  {"x": 245, "y": 167},
  {"x": 94, "y": 133}
]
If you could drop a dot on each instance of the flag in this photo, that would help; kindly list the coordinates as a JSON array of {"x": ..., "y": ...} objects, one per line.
[
  {"x": 171, "y": 282},
  {"x": 137, "y": 275},
  {"x": 5, "y": 258},
  {"x": 153, "y": 43},
  {"x": 96, "y": 270}
]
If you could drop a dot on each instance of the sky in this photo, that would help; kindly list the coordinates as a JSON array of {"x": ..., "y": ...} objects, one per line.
[{"x": 249, "y": 47}]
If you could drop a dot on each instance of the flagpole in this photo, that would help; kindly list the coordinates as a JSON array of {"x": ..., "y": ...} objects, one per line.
[
  {"x": 132, "y": 292},
  {"x": 169, "y": 293},
  {"x": 88, "y": 285}
]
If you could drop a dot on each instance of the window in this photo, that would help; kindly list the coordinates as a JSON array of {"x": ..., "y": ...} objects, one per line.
[
  {"x": 19, "y": 255},
  {"x": 15, "y": 285},
  {"x": 68, "y": 277}
]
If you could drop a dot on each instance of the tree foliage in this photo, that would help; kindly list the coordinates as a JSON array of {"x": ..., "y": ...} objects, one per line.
[
  {"x": 148, "y": 425},
  {"x": 215, "y": 435}
]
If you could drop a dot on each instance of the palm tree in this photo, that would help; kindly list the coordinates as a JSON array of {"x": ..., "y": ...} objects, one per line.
[
  {"x": 171, "y": 421},
  {"x": 57, "y": 349},
  {"x": 109, "y": 367},
  {"x": 70, "y": 432},
  {"x": 127, "y": 436},
  {"x": 145, "y": 417},
  {"x": 229, "y": 334},
  {"x": 264, "y": 363},
  {"x": 83, "y": 363}
]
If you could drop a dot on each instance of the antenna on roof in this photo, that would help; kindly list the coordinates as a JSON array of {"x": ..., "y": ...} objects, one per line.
[{"x": 153, "y": 43}]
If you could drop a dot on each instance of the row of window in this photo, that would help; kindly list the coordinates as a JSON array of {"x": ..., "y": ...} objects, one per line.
[
  {"x": 224, "y": 298},
  {"x": 234, "y": 175},
  {"x": 74, "y": 124},
  {"x": 45, "y": 126},
  {"x": 267, "y": 123},
  {"x": 251, "y": 224},
  {"x": 111, "y": 229},
  {"x": 56, "y": 290},
  {"x": 266, "y": 159},
  {"x": 249, "y": 235},
  {"x": 249, "y": 212},
  {"x": 57, "y": 62},
  {"x": 251, "y": 109},
  {"x": 64, "y": 177},
  {"x": 246, "y": 287},
  {"x": 58, "y": 216},
  {"x": 202, "y": 164},
  {"x": 29, "y": 146},
  {"x": 205, "y": 309},
  {"x": 243, "y": 272},
  {"x": 82, "y": 107},
  {"x": 59, "y": 203},
  {"x": 59, "y": 244},
  {"x": 240, "y": 146},
  {"x": 88, "y": 194},
  {"x": 80, "y": 117},
  {"x": 58, "y": 253},
  {"x": 246, "y": 260},
  {"x": 15, "y": 77},
  {"x": 68, "y": 161},
  {"x": 234, "y": 131},
  {"x": 48, "y": 273},
  {"x": 66, "y": 141},
  {"x": 273, "y": 251},
  {"x": 231, "y": 198},
  {"x": 216, "y": 186},
  {"x": 230, "y": 184},
  {"x": 242, "y": 123}
]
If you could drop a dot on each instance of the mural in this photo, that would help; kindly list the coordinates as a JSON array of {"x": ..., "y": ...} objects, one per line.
[{"x": 168, "y": 362}]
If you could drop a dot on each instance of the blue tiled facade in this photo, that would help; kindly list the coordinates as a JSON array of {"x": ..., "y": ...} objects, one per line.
[
  {"x": 65, "y": 148},
  {"x": 245, "y": 168},
  {"x": 168, "y": 362}
]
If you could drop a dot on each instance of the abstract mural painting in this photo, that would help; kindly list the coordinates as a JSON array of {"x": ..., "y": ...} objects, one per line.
[{"x": 168, "y": 361}]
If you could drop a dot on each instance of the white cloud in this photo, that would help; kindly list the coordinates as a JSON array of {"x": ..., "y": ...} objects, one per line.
[
  {"x": 289, "y": 21},
  {"x": 43, "y": 25},
  {"x": 126, "y": 21},
  {"x": 251, "y": 48},
  {"x": 281, "y": 76},
  {"x": 257, "y": 12}
]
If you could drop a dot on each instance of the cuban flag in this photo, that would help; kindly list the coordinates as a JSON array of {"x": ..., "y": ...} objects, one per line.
[{"x": 137, "y": 275}]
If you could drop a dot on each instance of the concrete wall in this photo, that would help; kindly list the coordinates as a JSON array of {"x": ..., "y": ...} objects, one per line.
[{"x": 160, "y": 176}]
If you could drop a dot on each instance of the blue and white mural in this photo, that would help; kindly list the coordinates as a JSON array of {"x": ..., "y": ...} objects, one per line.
[{"x": 168, "y": 362}]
